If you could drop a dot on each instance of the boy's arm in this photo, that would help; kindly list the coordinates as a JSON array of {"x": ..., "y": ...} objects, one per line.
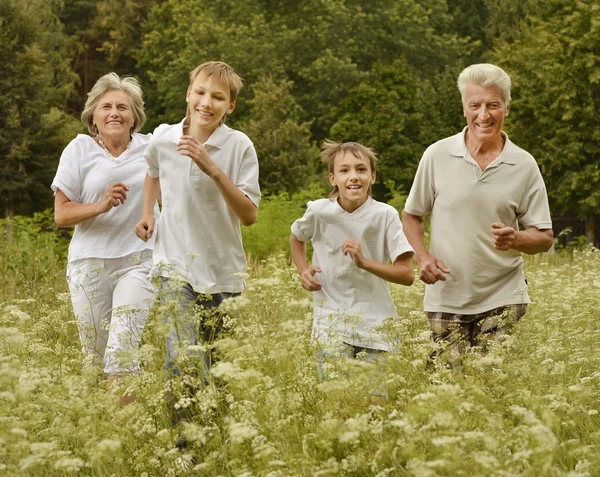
[
  {"x": 401, "y": 271},
  {"x": 238, "y": 202},
  {"x": 307, "y": 272},
  {"x": 145, "y": 227}
]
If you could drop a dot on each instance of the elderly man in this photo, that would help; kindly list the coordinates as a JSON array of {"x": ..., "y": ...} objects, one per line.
[{"x": 488, "y": 203}]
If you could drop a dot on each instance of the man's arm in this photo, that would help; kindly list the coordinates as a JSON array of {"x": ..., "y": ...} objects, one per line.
[
  {"x": 307, "y": 272},
  {"x": 431, "y": 269},
  {"x": 145, "y": 227},
  {"x": 530, "y": 241}
]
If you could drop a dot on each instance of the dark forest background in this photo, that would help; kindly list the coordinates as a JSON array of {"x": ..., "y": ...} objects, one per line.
[{"x": 381, "y": 72}]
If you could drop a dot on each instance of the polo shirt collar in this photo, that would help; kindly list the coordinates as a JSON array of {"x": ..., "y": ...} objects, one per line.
[
  {"x": 217, "y": 138},
  {"x": 458, "y": 148}
]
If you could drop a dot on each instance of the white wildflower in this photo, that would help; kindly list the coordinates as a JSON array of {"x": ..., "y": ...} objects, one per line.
[
  {"x": 109, "y": 445},
  {"x": 69, "y": 464},
  {"x": 446, "y": 440},
  {"x": 240, "y": 432},
  {"x": 348, "y": 437}
]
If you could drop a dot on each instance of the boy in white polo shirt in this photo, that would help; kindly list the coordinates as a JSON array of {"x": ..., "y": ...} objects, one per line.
[
  {"x": 206, "y": 177},
  {"x": 358, "y": 247}
]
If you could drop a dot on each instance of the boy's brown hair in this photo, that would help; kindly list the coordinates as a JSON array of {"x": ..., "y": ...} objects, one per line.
[{"x": 331, "y": 149}]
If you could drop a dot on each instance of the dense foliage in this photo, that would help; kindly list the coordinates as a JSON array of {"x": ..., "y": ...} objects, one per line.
[{"x": 381, "y": 72}]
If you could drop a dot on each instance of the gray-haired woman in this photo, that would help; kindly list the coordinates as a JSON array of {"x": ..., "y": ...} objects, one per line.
[{"x": 99, "y": 188}]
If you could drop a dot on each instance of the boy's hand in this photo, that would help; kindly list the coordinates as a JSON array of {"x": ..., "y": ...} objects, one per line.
[
  {"x": 145, "y": 227},
  {"x": 195, "y": 150},
  {"x": 352, "y": 247},
  {"x": 309, "y": 282}
]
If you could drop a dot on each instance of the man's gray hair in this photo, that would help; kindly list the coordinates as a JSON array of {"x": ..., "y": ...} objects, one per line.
[{"x": 484, "y": 74}]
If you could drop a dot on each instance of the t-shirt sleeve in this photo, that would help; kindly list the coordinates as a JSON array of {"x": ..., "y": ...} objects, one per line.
[
  {"x": 422, "y": 193},
  {"x": 152, "y": 160},
  {"x": 395, "y": 240},
  {"x": 247, "y": 180},
  {"x": 304, "y": 228},
  {"x": 68, "y": 174},
  {"x": 534, "y": 210}
]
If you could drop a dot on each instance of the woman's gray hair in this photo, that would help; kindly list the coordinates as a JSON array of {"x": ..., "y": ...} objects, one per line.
[
  {"x": 111, "y": 82},
  {"x": 484, "y": 74}
]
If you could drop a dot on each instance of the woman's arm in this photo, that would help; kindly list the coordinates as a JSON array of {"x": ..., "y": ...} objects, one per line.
[{"x": 67, "y": 213}]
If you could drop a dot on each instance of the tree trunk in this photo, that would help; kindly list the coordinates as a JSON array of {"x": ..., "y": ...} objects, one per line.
[{"x": 590, "y": 229}]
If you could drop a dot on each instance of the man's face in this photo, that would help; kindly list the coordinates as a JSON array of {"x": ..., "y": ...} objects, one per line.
[{"x": 485, "y": 110}]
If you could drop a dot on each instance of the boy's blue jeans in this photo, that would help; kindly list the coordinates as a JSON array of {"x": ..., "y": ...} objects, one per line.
[
  {"x": 193, "y": 319},
  {"x": 339, "y": 350}
]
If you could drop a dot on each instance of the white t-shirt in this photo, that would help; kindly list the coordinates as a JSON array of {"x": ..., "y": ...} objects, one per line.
[
  {"x": 84, "y": 172},
  {"x": 199, "y": 237},
  {"x": 464, "y": 201},
  {"x": 352, "y": 301}
]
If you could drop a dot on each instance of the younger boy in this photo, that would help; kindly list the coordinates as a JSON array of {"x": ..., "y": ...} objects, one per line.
[
  {"x": 359, "y": 247},
  {"x": 206, "y": 176}
]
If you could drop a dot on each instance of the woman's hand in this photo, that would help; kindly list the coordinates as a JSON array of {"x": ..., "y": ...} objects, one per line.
[{"x": 114, "y": 195}]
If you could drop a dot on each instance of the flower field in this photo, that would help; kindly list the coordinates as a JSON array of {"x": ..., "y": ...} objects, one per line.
[{"x": 529, "y": 407}]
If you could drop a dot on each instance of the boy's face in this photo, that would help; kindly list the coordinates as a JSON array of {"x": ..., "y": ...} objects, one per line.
[
  {"x": 353, "y": 177},
  {"x": 208, "y": 100}
]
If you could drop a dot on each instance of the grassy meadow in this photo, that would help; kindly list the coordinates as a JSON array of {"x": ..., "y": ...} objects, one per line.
[{"x": 529, "y": 407}]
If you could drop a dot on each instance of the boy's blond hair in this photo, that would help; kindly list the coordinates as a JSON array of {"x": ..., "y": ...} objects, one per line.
[
  {"x": 331, "y": 149},
  {"x": 223, "y": 73}
]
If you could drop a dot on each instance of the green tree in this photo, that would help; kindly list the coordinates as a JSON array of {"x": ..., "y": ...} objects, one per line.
[
  {"x": 120, "y": 26},
  {"x": 286, "y": 156},
  {"x": 77, "y": 18},
  {"x": 555, "y": 67},
  {"x": 399, "y": 115},
  {"x": 325, "y": 52},
  {"x": 35, "y": 81}
]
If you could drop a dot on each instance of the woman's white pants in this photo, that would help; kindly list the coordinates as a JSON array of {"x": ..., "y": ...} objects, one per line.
[{"x": 111, "y": 298}]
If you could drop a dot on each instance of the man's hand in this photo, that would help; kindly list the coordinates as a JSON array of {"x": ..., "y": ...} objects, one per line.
[
  {"x": 145, "y": 227},
  {"x": 503, "y": 236},
  {"x": 432, "y": 269},
  {"x": 309, "y": 282}
]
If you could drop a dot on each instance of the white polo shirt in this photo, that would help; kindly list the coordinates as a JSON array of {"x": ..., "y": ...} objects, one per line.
[
  {"x": 84, "y": 172},
  {"x": 464, "y": 201},
  {"x": 199, "y": 237},
  {"x": 352, "y": 302}
]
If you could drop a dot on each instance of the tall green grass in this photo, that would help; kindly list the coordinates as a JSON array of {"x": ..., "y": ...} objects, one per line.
[{"x": 530, "y": 407}]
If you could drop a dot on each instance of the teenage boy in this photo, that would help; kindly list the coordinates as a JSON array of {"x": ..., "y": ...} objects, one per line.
[{"x": 206, "y": 177}]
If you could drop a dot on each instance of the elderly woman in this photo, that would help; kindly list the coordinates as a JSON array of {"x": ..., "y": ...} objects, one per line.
[{"x": 99, "y": 188}]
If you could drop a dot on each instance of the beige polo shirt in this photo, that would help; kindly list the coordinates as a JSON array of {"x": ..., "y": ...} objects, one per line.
[{"x": 464, "y": 201}]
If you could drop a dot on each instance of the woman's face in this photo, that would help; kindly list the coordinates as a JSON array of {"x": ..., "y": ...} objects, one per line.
[{"x": 113, "y": 115}]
